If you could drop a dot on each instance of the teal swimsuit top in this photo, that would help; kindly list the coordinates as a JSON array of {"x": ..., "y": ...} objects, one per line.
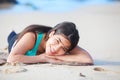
[{"x": 35, "y": 48}]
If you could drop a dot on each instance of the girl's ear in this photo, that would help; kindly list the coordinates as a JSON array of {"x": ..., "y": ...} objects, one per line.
[{"x": 51, "y": 33}]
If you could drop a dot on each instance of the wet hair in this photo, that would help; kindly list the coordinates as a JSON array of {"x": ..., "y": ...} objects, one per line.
[{"x": 68, "y": 29}]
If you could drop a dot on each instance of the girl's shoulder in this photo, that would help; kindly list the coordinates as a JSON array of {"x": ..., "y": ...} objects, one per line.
[
  {"x": 29, "y": 39},
  {"x": 30, "y": 34},
  {"x": 26, "y": 42}
]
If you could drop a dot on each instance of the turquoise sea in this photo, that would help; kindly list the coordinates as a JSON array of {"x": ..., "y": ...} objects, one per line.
[{"x": 51, "y": 5}]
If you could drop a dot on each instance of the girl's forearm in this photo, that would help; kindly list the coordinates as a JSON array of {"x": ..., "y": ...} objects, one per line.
[
  {"x": 25, "y": 59},
  {"x": 72, "y": 61}
]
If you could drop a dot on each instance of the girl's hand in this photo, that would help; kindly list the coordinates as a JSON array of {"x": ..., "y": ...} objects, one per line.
[{"x": 50, "y": 59}]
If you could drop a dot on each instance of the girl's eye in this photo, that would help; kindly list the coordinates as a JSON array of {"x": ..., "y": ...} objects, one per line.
[
  {"x": 64, "y": 49},
  {"x": 57, "y": 41}
]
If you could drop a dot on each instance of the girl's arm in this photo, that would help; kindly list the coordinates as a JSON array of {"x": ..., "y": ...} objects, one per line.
[
  {"x": 42, "y": 58},
  {"x": 26, "y": 43},
  {"x": 78, "y": 56}
]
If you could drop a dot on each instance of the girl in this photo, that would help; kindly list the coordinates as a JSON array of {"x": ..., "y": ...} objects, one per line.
[{"x": 39, "y": 43}]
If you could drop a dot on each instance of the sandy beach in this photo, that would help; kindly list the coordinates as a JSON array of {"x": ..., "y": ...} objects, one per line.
[{"x": 99, "y": 29}]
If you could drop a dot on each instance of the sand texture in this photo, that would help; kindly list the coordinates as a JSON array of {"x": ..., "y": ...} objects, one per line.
[{"x": 99, "y": 28}]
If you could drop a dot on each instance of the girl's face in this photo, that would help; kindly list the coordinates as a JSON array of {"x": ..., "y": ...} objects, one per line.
[{"x": 57, "y": 45}]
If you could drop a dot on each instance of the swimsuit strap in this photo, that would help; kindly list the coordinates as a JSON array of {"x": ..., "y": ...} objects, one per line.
[{"x": 34, "y": 50}]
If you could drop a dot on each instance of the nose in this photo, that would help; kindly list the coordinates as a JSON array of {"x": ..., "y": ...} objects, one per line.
[{"x": 57, "y": 47}]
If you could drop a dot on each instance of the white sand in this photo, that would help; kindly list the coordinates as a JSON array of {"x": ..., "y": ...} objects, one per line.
[{"x": 99, "y": 28}]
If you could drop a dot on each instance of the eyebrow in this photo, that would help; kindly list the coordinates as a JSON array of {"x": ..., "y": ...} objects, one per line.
[{"x": 63, "y": 44}]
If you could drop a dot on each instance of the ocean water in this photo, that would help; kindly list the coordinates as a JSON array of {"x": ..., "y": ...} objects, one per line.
[{"x": 51, "y": 5}]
